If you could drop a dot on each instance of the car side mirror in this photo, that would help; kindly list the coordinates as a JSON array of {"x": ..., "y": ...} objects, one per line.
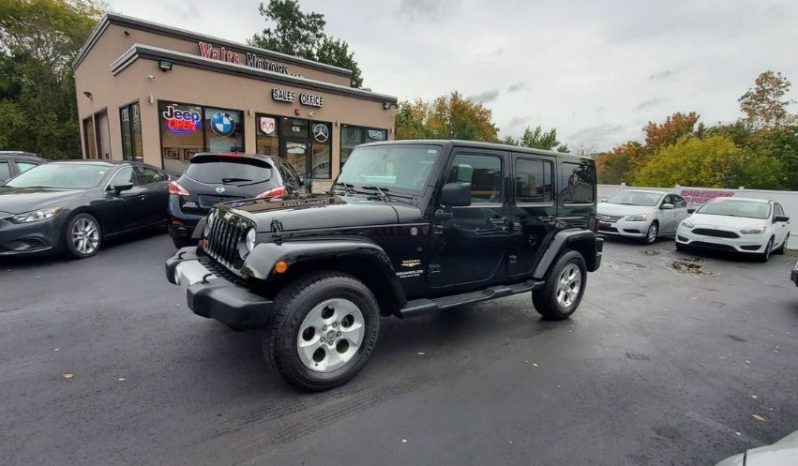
[
  {"x": 667, "y": 206},
  {"x": 780, "y": 218},
  {"x": 118, "y": 188},
  {"x": 303, "y": 181},
  {"x": 456, "y": 194}
]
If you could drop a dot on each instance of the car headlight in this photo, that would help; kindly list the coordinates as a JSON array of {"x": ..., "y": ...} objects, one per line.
[
  {"x": 247, "y": 243},
  {"x": 37, "y": 215},
  {"x": 753, "y": 231},
  {"x": 688, "y": 225},
  {"x": 637, "y": 218},
  {"x": 208, "y": 224}
]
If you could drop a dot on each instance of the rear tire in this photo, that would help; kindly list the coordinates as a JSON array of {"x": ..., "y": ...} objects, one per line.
[
  {"x": 565, "y": 286},
  {"x": 680, "y": 247},
  {"x": 324, "y": 329},
  {"x": 82, "y": 236}
]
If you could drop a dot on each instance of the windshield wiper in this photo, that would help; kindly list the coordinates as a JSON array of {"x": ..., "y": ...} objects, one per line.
[
  {"x": 382, "y": 191},
  {"x": 346, "y": 187},
  {"x": 234, "y": 180}
]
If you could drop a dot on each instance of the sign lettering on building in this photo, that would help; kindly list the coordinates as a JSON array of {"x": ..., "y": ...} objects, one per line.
[
  {"x": 179, "y": 121},
  {"x": 283, "y": 95},
  {"x": 252, "y": 60},
  {"x": 310, "y": 100}
]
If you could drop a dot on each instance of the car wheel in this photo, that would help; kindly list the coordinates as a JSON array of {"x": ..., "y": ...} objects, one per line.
[
  {"x": 565, "y": 285},
  {"x": 652, "y": 233},
  {"x": 765, "y": 256},
  {"x": 82, "y": 236},
  {"x": 783, "y": 246},
  {"x": 680, "y": 247},
  {"x": 324, "y": 329}
]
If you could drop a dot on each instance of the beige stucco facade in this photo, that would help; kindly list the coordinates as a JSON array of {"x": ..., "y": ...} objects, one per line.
[{"x": 123, "y": 61}]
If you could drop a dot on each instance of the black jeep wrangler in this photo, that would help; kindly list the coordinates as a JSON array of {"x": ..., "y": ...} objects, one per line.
[{"x": 408, "y": 228}]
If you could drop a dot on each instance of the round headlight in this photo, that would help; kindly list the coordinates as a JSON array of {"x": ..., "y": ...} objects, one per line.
[
  {"x": 247, "y": 244},
  {"x": 208, "y": 223}
]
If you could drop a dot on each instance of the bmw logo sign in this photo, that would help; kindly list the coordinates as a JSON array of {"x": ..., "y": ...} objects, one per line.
[{"x": 223, "y": 124}]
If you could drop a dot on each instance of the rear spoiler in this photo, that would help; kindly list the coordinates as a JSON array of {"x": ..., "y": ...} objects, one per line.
[{"x": 232, "y": 157}]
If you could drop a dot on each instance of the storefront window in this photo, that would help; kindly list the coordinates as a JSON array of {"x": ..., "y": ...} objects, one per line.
[
  {"x": 351, "y": 136},
  {"x": 322, "y": 150},
  {"x": 224, "y": 131},
  {"x": 130, "y": 120},
  {"x": 188, "y": 129},
  {"x": 267, "y": 135}
]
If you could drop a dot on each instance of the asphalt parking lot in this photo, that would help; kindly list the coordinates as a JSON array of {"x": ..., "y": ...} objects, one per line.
[{"x": 658, "y": 367}]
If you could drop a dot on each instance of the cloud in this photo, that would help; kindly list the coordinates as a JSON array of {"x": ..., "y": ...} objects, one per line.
[
  {"x": 649, "y": 103},
  {"x": 602, "y": 135},
  {"x": 189, "y": 10},
  {"x": 518, "y": 121},
  {"x": 661, "y": 75},
  {"x": 519, "y": 86},
  {"x": 431, "y": 10},
  {"x": 486, "y": 96}
]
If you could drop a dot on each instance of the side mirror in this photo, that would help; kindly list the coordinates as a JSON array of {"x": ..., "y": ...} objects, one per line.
[
  {"x": 667, "y": 206},
  {"x": 779, "y": 218},
  {"x": 118, "y": 188},
  {"x": 303, "y": 181},
  {"x": 456, "y": 194}
]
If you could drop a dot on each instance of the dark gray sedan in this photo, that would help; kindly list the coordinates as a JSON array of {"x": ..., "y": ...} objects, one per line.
[{"x": 72, "y": 206}]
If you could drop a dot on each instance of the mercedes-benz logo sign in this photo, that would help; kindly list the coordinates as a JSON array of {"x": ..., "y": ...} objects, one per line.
[
  {"x": 320, "y": 132},
  {"x": 220, "y": 189}
]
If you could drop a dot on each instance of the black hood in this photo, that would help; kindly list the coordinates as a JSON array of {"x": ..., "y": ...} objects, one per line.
[
  {"x": 19, "y": 200},
  {"x": 323, "y": 211}
]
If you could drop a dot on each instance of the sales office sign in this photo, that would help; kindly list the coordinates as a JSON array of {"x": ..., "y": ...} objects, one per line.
[{"x": 310, "y": 100}]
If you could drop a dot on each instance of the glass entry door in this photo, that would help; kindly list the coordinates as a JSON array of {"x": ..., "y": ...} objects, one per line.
[{"x": 296, "y": 153}]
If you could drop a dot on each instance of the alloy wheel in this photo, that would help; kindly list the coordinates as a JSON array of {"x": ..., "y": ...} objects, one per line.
[
  {"x": 330, "y": 335},
  {"x": 569, "y": 285},
  {"x": 651, "y": 237},
  {"x": 85, "y": 236}
]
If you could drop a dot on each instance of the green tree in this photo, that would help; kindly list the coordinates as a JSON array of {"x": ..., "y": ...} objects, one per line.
[
  {"x": 292, "y": 31},
  {"x": 539, "y": 139},
  {"x": 766, "y": 104},
  {"x": 618, "y": 165},
  {"x": 714, "y": 161},
  {"x": 447, "y": 117},
  {"x": 38, "y": 41}
]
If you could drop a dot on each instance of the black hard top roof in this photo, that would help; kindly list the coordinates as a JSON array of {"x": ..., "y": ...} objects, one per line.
[{"x": 481, "y": 145}]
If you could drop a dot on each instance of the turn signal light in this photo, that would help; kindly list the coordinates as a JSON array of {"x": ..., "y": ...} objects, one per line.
[
  {"x": 281, "y": 266},
  {"x": 272, "y": 193},
  {"x": 176, "y": 189}
]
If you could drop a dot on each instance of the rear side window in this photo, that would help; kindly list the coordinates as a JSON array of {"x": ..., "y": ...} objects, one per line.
[
  {"x": 22, "y": 167},
  {"x": 533, "y": 180},
  {"x": 151, "y": 175},
  {"x": 239, "y": 174},
  {"x": 577, "y": 183},
  {"x": 5, "y": 171}
]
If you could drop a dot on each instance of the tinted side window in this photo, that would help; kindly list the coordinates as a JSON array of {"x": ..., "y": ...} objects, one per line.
[
  {"x": 484, "y": 172},
  {"x": 577, "y": 183},
  {"x": 5, "y": 171},
  {"x": 150, "y": 175},
  {"x": 124, "y": 175},
  {"x": 533, "y": 180}
]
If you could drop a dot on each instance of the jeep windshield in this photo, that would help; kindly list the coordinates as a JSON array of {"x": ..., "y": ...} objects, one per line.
[{"x": 386, "y": 169}]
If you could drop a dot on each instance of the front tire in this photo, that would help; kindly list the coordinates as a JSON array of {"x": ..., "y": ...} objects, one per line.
[
  {"x": 783, "y": 246},
  {"x": 323, "y": 331},
  {"x": 765, "y": 256},
  {"x": 652, "y": 233},
  {"x": 564, "y": 288},
  {"x": 82, "y": 236}
]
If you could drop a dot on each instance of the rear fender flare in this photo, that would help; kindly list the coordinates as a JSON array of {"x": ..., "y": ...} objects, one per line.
[{"x": 582, "y": 240}]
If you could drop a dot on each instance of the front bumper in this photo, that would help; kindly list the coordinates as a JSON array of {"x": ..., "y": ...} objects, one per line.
[
  {"x": 747, "y": 244},
  {"x": 41, "y": 237},
  {"x": 214, "y": 297},
  {"x": 624, "y": 228}
]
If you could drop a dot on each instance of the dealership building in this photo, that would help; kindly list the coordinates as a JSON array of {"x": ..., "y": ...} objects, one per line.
[{"x": 160, "y": 94}]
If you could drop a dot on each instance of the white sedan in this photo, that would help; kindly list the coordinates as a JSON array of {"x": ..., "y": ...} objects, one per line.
[
  {"x": 641, "y": 214},
  {"x": 750, "y": 226}
]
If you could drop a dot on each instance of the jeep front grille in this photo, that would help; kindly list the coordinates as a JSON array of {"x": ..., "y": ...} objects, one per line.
[{"x": 227, "y": 231}]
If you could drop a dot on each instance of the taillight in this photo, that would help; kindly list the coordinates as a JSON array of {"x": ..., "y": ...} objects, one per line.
[
  {"x": 176, "y": 189},
  {"x": 275, "y": 192}
]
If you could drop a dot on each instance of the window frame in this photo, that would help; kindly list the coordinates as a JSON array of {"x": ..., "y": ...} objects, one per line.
[
  {"x": 133, "y": 143},
  {"x": 501, "y": 156},
  {"x": 564, "y": 203},
  {"x": 533, "y": 158},
  {"x": 136, "y": 182}
]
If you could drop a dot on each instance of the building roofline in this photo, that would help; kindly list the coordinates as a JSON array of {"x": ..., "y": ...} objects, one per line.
[
  {"x": 136, "y": 23},
  {"x": 149, "y": 52}
]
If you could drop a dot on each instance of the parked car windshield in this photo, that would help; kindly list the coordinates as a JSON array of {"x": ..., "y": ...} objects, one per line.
[
  {"x": 239, "y": 174},
  {"x": 635, "y": 198},
  {"x": 736, "y": 208},
  {"x": 61, "y": 176},
  {"x": 391, "y": 167}
]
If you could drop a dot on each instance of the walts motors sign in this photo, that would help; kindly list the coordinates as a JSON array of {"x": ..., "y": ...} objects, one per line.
[
  {"x": 252, "y": 59},
  {"x": 310, "y": 100}
]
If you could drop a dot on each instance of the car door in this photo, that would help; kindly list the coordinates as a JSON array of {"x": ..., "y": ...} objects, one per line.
[
  {"x": 680, "y": 210},
  {"x": 781, "y": 228},
  {"x": 156, "y": 194},
  {"x": 667, "y": 217},
  {"x": 470, "y": 242},
  {"x": 123, "y": 211},
  {"x": 532, "y": 203}
]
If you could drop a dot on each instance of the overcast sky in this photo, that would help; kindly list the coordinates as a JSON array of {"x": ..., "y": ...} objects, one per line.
[{"x": 596, "y": 71}]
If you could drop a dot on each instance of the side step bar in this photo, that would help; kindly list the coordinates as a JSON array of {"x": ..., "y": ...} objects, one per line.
[{"x": 417, "y": 307}]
